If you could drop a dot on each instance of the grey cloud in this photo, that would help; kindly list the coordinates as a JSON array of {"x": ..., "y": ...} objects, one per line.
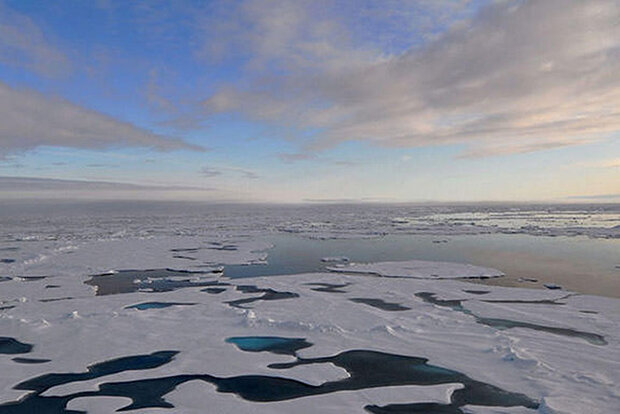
[
  {"x": 29, "y": 119},
  {"x": 596, "y": 197},
  {"x": 519, "y": 77},
  {"x": 210, "y": 172},
  {"x": 99, "y": 165},
  {"x": 249, "y": 174},
  {"x": 304, "y": 156},
  {"x": 299, "y": 156},
  {"x": 33, "y": 184},
  {"x": 23, "y": 44},
  {"x": 346, "y": 163},
  {"x": 12, "y": 165}
]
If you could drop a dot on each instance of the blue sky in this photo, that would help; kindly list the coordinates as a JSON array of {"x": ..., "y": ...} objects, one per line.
[{"x": 289, "y": 101}]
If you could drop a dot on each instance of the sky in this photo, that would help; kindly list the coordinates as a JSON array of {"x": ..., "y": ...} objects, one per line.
[{"x": 321, "y": 101}]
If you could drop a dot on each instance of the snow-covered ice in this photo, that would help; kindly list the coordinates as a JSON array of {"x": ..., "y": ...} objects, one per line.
[
  {"x": 419, "y": 269},
  {"x": 541, "y": 350}
]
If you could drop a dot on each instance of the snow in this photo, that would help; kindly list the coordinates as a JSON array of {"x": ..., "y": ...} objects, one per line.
[
  {"x": 544, "y": 366},
  {"x": 419, "y": 269},
  {"x": 567, "y": 374}
]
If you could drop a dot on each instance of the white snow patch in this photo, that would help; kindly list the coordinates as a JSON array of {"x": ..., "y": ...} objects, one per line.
[{"x": 419, "y": 269}]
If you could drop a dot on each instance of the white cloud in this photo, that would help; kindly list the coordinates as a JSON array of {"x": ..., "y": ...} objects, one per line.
[
  {"x": 29, "y": 119},
  {"x": 519, "y": 77}
]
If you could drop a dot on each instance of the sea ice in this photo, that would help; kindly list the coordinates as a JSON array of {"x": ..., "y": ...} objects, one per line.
[
  {"x": 419, "y": 269},
  {"x": 418, "y": 309}
]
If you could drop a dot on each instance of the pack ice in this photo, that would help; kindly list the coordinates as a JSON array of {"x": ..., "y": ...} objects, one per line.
[{"x": 386, "y": 337}]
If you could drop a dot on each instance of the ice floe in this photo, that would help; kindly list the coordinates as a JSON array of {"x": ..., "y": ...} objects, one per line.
[
  {"x": 547, "y": 367},
  {"x": 440, "y": 343},
  {"x": 419, "y": 269}
]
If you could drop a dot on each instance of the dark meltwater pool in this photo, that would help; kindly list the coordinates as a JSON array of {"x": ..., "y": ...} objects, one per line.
[{"x": 365, "y": 368}]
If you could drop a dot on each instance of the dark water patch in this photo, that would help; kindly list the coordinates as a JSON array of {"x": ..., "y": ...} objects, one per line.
[
  {"x": 222, "y": 246},
  {"x": 7, "y": 261},
  {"x": 7, "y": 307},
  {"x": 186, "y": 250},
  {"x": 372, "y": 369},
  {"x": 33, "y": 403},
  {"x": 52, "y": 286},
  {"x": 5, "y": 278},
  {"x": 552, "y": 286},
  {"x": 249, "y": 289},
  {"x": 482, "y": 277},
  {"x": 503, "y": 324},
  {"x": 273, "y": 344},
  {"x": 424, "y": 408},
  {"x": 167, "y": 285},
  {"x": 294, "y": 254},
  {"x": 178, "y": 256},
  {"x": 9, "y": 249},
  {"x": 214, "y": 291},
  {"x": 215, "y": 271},
  {"x": 329, "y": 287},
  {"x": 267, "y": 294},
  {"x": 114, "y": 366},
  {"x": 143, "y": 393},
  {"x": 476, "y": 292},
  {"x": 157, "y": 305},
  {"x": 154, "y": 280},
  {"x": 55, "y": 299},
  {"x": 335, "y": 259},
  {"x": 31, "y": 278},
  {"x": 30, "y": 360},
  {"x": 13, "y": 346},
  {"x": 228, "y": 248},
  {"x": 430, "y": 297},
  {"x": 367, "y": 369},
  {"x": 381, "y": 304},
  {"x": 589, "y": 311},
  {"x": 147, "y": 393},
  {"x": 531, "y": 302},
  {"x": 528, "y": 279}
]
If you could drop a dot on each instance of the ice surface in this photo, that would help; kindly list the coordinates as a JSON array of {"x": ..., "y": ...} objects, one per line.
[
  {"x": 546, "y": 367},
  {"x": 420, "y": 269},
  {"x": 73, "y": 329}
]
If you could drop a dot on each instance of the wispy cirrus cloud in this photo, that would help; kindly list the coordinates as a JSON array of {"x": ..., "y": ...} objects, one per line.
[
  {"x": 210, "y": 172},
  {"x": 518, "y": 77},
  {"x": 603, "y": 197},
  {"x": 297, "y": 156},
  {"x": 24, "y": 45},
  {"x": 53, "y": 184},
  {"x": 38, "y": 188},
  {"x": 604, "y": 163},
  {"x": 29, "y": 119}
]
